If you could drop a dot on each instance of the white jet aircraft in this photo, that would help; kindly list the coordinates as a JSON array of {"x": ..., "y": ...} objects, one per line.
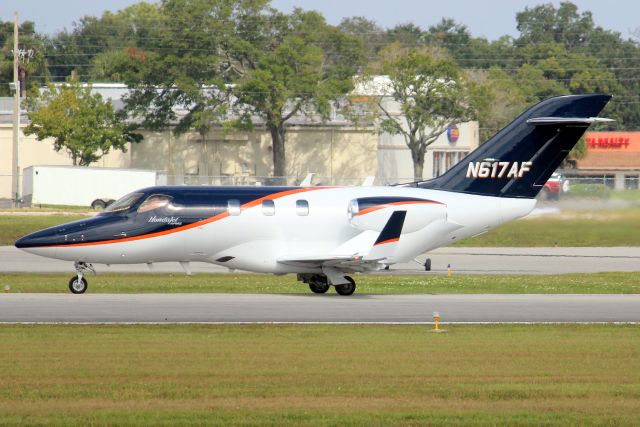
[{"x": 324, "y": 234}]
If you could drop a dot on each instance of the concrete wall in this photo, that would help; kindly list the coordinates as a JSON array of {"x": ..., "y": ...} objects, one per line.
[
  {"x": 395, "y": 157},
  {"x": 332, "y": 153},
  {"x": 34, "y": 152}
]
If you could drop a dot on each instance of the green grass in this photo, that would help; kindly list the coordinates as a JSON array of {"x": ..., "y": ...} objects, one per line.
[
  {"x": 604, "y": 283},
  {"x": 600, "y": 228},
  {"x": 632, "y": 196},
  {"x": 14, "y": 226},
  {"x": 320, "y": 375}
]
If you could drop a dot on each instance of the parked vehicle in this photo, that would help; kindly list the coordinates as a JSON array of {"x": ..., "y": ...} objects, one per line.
[
  {"x": 555, "y": 186},
  {"x": 81, "y": 186}
]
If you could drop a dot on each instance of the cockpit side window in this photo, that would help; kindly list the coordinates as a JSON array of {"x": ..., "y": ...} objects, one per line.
[
  {"x": 155, "y": 201},
  {"x": 124, "y": 203}
]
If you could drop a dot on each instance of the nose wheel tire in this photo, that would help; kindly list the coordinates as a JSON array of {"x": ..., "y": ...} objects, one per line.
[
  {"x": 319, "y": 288},
  {"x": 78, "y": 285},
  {"x": 347, "y": 288}
]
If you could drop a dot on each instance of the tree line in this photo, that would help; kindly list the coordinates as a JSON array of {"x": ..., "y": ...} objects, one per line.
[{"x": 212, "y": 58}]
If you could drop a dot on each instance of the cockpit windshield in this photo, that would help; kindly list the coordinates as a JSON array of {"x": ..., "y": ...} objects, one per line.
[
  {"x": 153, "y": 202},
  {"x": 124, "y": 203}
]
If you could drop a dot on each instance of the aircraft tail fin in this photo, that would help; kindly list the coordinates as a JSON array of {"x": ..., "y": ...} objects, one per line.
[{"x": 519, "y": 159}]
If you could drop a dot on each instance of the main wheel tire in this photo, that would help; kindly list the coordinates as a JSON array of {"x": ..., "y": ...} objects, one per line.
[
  {"x": 319, "y": 288},
  {"x": 78, "y": 286},
  {"x": 347, "y": 288},
  {"x": 427, "y": 264}
]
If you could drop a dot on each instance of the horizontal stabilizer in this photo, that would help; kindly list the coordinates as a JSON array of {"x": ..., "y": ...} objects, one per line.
[{"x": 568, "y": 120}]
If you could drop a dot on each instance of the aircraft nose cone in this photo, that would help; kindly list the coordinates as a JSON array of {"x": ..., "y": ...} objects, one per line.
[
  {"x": 24, "y": 242},
  {"x": 47, "y": 237},
  {"x": 51, "y": 236}
]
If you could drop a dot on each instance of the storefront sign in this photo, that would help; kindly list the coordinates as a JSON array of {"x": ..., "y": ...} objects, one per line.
[
  {"x": 453, "y": 134},
  {"x": 613, "y": 141}
]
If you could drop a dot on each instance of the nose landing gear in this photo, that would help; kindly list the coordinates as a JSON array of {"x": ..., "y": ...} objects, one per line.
[{"x": 78, "y": 284}]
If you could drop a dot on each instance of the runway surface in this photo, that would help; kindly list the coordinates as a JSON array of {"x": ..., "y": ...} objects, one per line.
[
  {"x": 243, "y": 308},
  {"x": 462, "y": 260}
]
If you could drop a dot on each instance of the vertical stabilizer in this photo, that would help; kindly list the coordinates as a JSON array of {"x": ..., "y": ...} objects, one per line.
[{"x": 519, "y": 159}]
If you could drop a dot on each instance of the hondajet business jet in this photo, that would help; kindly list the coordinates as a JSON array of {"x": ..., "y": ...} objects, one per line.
[{"x": 323, "y": 234}]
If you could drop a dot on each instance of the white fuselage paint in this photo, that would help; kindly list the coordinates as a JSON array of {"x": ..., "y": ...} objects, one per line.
[{"x": 257, "y": 241}]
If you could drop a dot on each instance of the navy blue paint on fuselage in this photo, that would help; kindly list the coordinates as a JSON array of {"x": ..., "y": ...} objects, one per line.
[
  {"x": 370, "y": 202},
  {"x": 189, "y": 205}
]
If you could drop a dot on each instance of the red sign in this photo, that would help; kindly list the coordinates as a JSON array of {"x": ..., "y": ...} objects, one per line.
[{"x": 613, "y": 141}]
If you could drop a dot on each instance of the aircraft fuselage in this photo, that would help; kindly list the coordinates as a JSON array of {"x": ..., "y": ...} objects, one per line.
[{"x": 255, "y": 228}]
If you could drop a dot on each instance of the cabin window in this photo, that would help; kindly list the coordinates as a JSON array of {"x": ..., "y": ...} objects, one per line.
[
  {"x": 268, "y": 207},
  {"x": 302, "y": 207},
  {"x": 153, "y": 202},
  {"x": 233, "y": 207}
]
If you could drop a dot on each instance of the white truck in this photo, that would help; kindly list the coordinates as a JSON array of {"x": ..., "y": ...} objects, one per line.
[{"x": 81, "y": 186}]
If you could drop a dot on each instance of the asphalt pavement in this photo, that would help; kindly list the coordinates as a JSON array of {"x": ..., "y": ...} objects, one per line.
[{"x": 329, "y": 308}]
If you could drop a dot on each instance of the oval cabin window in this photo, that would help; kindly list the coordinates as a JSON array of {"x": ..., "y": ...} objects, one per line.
[
  {"x": 268, "y": 207},
  {"x": 302, "y": 207},
  {"x": 233, "y": 207}
]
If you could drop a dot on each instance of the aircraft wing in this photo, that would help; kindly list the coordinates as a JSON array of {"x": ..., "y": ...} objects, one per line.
[
  {"x": 381, "y": 247},
  {"x": 342, "y": 263}
]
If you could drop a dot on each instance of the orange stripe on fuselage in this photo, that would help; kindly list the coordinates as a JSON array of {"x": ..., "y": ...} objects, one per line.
[
  {"x": 395, "y": 239},
  {"x": 195, "y": 224},
  {"x": 386, "y": 205}
]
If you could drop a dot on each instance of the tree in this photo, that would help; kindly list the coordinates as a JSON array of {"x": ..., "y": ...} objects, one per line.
[
  {"x": 81, "y": 123},
  {"x": 239, "y": 53},
  {"x": 432, "y": 93},
  {"x": 312, "y": 66},
  {"x": 545, "y": 24},
  {"x": 370, "y": 34},
  {"x": 33, "y": 64},
  {"x": 76, "y": 50}
]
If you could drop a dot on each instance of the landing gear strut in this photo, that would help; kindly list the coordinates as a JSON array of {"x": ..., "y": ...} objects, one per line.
[{"x": 78, "y": 284}]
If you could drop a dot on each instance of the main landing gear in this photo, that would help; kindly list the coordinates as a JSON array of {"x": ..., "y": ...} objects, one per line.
[
  {"x": 78, "y": 284},
  {"x": 319, "y": 284}
]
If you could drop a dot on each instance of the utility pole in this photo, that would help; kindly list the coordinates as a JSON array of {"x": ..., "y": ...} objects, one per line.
[{"x": 15, "y": 174}]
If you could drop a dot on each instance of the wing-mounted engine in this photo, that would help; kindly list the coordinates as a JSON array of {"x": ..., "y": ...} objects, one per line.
[{"x": 372, "y": 213}]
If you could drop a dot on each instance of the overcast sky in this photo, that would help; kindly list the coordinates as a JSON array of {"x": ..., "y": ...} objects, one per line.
[{"x": 490, "y": 19}]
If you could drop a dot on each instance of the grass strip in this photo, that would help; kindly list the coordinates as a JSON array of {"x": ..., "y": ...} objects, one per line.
[
  {"x": 320, "y": 375},
  {"x": 596, "y": 283},
  {"x": 568, "y": 229}
]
